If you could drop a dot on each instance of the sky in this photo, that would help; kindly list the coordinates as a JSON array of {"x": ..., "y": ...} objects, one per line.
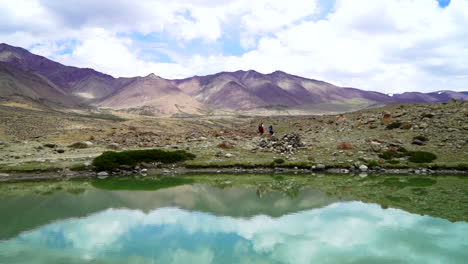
[{"x": 389, "y": 46}]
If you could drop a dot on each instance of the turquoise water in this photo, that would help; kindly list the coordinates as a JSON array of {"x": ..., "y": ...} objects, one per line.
[{"x": 202, "y": 224}]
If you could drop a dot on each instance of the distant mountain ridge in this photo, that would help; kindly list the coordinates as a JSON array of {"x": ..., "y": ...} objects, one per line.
[{"x": 25, "y": 74}]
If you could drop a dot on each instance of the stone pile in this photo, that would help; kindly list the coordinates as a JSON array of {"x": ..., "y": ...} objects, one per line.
[{"x": 289, "y": 143}]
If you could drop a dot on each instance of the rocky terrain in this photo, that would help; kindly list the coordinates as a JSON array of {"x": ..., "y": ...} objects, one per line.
[{"x": 39, "y": 140}]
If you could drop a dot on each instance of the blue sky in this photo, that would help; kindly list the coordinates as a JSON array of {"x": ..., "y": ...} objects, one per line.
[{"x": 382, "y": 45}]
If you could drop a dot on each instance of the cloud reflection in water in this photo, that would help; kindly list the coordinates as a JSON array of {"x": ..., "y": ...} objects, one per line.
[{"x": 347, "y": 232}]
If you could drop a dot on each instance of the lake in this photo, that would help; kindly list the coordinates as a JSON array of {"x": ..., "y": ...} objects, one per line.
[{"x": 205, "y": 219}]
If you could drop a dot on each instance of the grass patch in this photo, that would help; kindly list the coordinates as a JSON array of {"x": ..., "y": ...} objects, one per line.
[
  {"x": 393, "y": 125},
  {"x": 278, "y": 161},
  {"x": 78, "y": 167},
  {"x": 139, "y": 185},
  {"x": 31, "y": 167},
  {"x": 110, "y": 160},
  {"x": 373, "y": 164},
  {"x": 421, "y": 156},
  {"x": 391, "y": 154}
]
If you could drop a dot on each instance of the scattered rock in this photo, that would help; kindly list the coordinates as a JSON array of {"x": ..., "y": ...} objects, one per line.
[
  {"x": 406, "y": 125},
  {"x": 114, "y": 146},
  {"x": 345, "y": 145},
  {"x": 375, "y": 146},
  {"x": 50, "y": 145},
  {"x": 387, "y": 118},
  {"x": 289, "y": 143},
  {"x": 81, "y": 144},
  {"x": 225, "y": 145}
]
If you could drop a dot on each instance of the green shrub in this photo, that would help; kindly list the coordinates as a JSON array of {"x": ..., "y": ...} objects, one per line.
[
  {"x": 279, "y": 161},
  {"x": 393, "y": 125},
  {"x": 402, "y": 149},
  {"x": 422, "y": 138},
  {"x": 372, "y": 163},
  {"x": 421, "y": 156},
  {"x": 110, "y": 160},
  {"x": 393, "y": 161},
  {"x": 391, "y": 154}
]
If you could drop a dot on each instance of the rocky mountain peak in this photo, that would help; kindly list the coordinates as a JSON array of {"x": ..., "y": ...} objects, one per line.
[{"x": 152, "y": 76}]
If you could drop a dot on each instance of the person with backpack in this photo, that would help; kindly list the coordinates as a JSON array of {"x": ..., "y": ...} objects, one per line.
[
  {"x": 260, "y": 129},
  {"x": 270, "y": 129}
]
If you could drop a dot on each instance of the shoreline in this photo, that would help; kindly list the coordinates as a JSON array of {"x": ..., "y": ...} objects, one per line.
[{"x": 65, "y": 174}]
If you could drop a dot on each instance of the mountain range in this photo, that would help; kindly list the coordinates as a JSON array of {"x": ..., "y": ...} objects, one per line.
[{"x": 26, "y": 75}]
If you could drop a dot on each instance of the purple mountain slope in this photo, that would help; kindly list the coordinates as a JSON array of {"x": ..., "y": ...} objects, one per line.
[{"x": 25, "y": 74}]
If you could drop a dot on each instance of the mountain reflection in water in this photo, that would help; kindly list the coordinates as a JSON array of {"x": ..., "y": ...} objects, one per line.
[{"x": 201, "y": 224}]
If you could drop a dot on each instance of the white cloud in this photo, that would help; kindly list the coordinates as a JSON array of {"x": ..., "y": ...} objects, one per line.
[
  {"x": 387, "y": 45},
  {"x": 339, "y": 233}
]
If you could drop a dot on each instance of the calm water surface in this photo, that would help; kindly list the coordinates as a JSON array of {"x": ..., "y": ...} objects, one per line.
[{"x": 202, "y": 224}]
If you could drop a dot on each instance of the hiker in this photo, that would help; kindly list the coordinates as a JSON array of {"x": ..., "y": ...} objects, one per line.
[
  {"x": 260, "y": 129},
  {"x": 270, "y": 129}
]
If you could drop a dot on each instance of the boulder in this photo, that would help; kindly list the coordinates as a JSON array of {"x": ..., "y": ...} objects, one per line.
[
  {"x": 320, "y": 166},
  {"x": 387, "y": 118},
  {"x": 81, "y": 144},
  {"x": 345, "y": 145},
  {"x": 102, "y": 175},
  {"x": 418, "y": 142},
  {"x": 406, "y": 125},
  {"x": 50, "y": 145},
  {"x": 375, "y": 146},
  {"x": 363, "y": 168},
  {"x": 225, "y": 145},
  {"x": 229, "y": 155}
]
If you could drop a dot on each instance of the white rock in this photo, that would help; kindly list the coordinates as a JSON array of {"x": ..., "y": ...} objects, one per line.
[
  {"x": 320, "y": 166},
  {"x": 229, "y": 155},
  {"x": 103, "y": 173},
  {"x": 88, "y": 143},
  {"x": 363, "y": 168}
]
